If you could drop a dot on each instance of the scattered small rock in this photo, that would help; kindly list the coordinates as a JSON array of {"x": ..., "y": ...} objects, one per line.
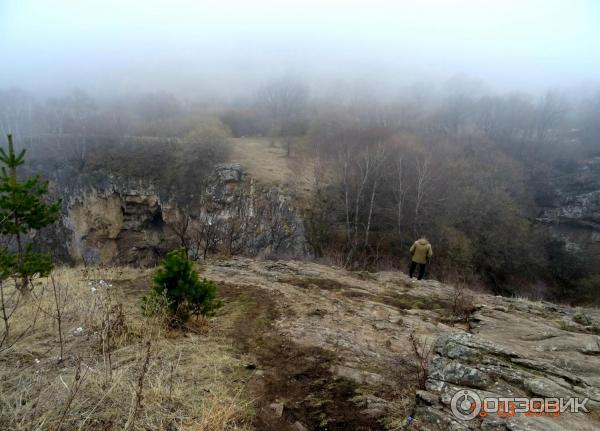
[
  {"x": 277, "y": 409},
  {"x": 428, "y": 397}
]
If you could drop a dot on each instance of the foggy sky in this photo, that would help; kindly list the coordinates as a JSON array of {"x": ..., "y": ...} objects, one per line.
[{"x": 227, "y": 48}]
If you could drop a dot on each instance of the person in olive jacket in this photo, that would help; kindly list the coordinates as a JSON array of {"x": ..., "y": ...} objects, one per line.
[{"x": 421, "y": 252}]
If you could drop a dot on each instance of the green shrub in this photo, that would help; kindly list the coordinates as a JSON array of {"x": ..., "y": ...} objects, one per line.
[{"x": 178, "y": 291}]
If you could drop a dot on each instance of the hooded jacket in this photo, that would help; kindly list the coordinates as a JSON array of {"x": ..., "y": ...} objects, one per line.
[{"x": 421, "y": 251}]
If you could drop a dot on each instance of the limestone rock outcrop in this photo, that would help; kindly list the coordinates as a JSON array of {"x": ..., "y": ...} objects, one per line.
[
  {"x": 517, "y": 349},
  {"x": 570, "y": 208},
  {"x": 110, "y": 219},
  {"x": 511, "y": 347}
]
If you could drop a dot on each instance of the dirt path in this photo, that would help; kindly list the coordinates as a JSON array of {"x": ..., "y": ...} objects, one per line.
[{"x": 294, "y": 385}]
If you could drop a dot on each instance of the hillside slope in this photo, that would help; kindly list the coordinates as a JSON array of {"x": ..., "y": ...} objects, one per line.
[{"x": 302, "y": 346}]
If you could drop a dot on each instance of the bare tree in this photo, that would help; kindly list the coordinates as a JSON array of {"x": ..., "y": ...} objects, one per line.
[
  {"x": 10, "y": 300},
  {"x": 378, "y": 161},
  {"x": 359, "y": 171},
  {"x": 320, "y": 212},
  {"x": 106, "y": 334},
  {"x": 422, "y": 351},
  {"x": 71, "y": 116},
  {"x": 205, "y": 234},
  {"x": 138, "y": 394},
  {"x": 283, "y": 98},
  {"x": 72, "y": 393},
  {"x": 462, "y": 302},
  {"x": 400, "y": 190},
  {"x": 345, "y": 162},
  {"x": 9, "y": 303},
  {"x": 60, "y": 302},
  {"x": 275, "y": 220},
  {"x": 181, "y": 228},
  {"x": 550, "y": 111},
  {"x": 284, "y": 102},
  {"x": 364, "y": 166},
  {"x": 423, "y": 181}
]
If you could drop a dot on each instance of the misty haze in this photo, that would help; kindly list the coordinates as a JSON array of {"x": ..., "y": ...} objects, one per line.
[{"x": 294, "y": 216}]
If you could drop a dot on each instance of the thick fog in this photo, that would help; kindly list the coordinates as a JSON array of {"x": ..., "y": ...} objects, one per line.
[{"x": 227, "y": 48}]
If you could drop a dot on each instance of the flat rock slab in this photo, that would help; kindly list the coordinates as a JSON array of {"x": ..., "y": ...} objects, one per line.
[{"x": 511, "y": 347}]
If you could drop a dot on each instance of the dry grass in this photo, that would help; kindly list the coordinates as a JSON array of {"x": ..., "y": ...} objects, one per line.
[
  {"x": 264, "y": 162},
  {"x": 193, "y": 380},
  {"x": 402, "y": 407},
  {"x": 268, "y": 163}
]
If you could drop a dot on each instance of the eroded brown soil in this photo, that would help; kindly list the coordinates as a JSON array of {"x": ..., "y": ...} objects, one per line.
[{"x": 297, "y": 377}]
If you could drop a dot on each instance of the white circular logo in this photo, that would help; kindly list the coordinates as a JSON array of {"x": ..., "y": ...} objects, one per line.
[{"x": 466, "y": 404}]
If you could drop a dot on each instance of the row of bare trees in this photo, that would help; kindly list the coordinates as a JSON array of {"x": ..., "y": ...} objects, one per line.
[
  {"x": 521, "y": 123},
  {"x": 360, "y": 174},
  {"x": 377, "y": 187},
  {"x": 385, "y": 187}
]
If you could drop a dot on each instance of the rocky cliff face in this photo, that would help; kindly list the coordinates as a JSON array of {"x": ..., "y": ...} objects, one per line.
[
  {"x": 110, "y": 220},
  {"x": 571, "y": 207},
  {"x": 117, "y": 225}
]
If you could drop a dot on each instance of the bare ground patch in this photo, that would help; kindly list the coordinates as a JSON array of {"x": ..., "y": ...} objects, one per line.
[
  {"x": 321, "y": 283},
  {"x": 296, "y": 380}
]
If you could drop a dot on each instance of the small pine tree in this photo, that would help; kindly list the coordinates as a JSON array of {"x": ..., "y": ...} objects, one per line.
[
  {"x": 22, "y": 210},
  {"x": 178, "y": 283}
]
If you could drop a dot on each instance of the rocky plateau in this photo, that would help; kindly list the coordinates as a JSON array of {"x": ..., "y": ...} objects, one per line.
[{"x": 361, "y": 323}]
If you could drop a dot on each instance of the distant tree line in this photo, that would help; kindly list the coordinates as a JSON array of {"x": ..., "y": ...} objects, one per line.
[{"x": 456, "y": 162}]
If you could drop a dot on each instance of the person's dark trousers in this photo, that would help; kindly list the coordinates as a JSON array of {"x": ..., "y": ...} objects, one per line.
[{"x": 413, "y": 266}]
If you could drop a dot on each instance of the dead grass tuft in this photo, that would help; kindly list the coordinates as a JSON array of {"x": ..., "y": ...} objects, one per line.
[{"x": 106, "y": 377}]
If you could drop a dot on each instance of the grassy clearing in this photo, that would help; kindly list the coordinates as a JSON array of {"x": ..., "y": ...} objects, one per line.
[
  {"x": 188, "y": 381},
  {"x": 266, "y": 160}
]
